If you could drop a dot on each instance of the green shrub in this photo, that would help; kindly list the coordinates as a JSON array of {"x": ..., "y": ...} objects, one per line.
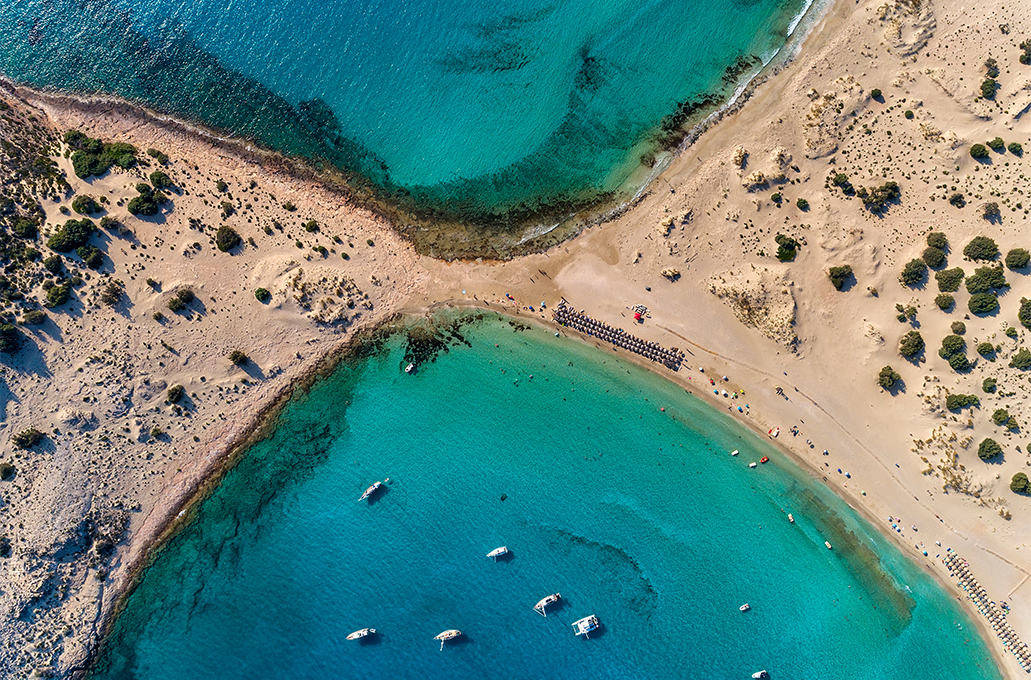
[
  {"x": 71, "y": 235},
  {"x": 913, "y": 273},
  {"x": 92, "y": 157},
  {"x": 148, "y": 202},
  {"x": 802, "y": 204},
  {"x": 1016, "y": 149},
  {"x": 959, "y": 363},
  {"x": 7, "y": 471},
  {"x": 997, "y": 144},
  {"x": 936, "y": 239},
  {"x": 908, "y": 114},
  {"x": 989, "y": 385},
  {"x": 888, "y": 378},
  {"x": 787, "y": 247},
  {"x": 175, "y": 394},
  {"x": 34, "y": 317},
  {"x": 58, "y": 295},
  {"x": 981, "y": 248},
  {"x": 1021, "y": 360},
  {"x": 985, "y": 279},
  {"x": 185, "y": 295},
  {"x": 957, "y": 200},
  {"x": 877, "y": 199},
  {"x": 1001, "y": 416},
  {"x": 949, "y": 279},
  {"x": 912, "y": 344},
  {"x": 988, "y": 87},
  {"x": 25, "y": 228},
  {"x": 158, "y": 156},
  {"x": 1024, "y": 313},
  {"x": 5, "y": 546},
  {"x": 238, "y": 357},
  {"x": 226, "y": 238},
  {"x": 988, "y": 449},
  {"x": 951, "y": 344},
  {"x": 954, "y": 402},
  {"x": 53, "y": 264},
  {"x": 160, "y": 180},
  {"x": 934, "y": 257},
  {"x": 26, "y": 439},
  {"x": 1018, "y": 258},
  {"x": 311, "y": 226},
  {"x": 289, "y": 207},
  {"x": 983, "y": 303},
  {"x": 958, "y": 327},
  {"x": 944, "y": 301},
  {"x": 991, "y": 68},
  {"x": 1025, "y": 57},
  {"x": 85, "y": 205},
  {"x": 986, "y": 349},
  {"x": 1011, "y": 332},
  {"x": 175, "y": 304},
  {"x": 1020, "y": 483},
  {"x": 92, "y": 256},
  {"x": 10, "y": 338},
  {"x": 839, "y": 275},
  {"x": 991, "y": 211},
  {"x": 875, "y": 94},
  {"x": 979, "y": 151},
  {"x": 263, "y": 295}
]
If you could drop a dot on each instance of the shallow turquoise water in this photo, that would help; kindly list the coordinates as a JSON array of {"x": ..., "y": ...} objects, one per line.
[
  {"x": 471, "y": 106},
  {"x": 636, "y": 515}
]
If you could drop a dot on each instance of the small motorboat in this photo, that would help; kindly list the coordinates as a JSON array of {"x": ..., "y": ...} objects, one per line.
[
  {"x": 586, "y": 626},
  {"x": 542, "y": 606},
  {"x": 764, "y": 460},
  {"x": 497, "y": 552},
  {"x": 371, "y": 490},
  {"x": 745, "y": 607},
  {"x": 752, "y": 464},
  {"x": 761, "y": 675},
  {"x": 409, "y": 368},
  {"x": 359, "y": 634},
  {"x": 734, "y": 452},
  {"x": 828, "y": 544},
  {"x": 791, "y": 518},
  {"x": 774, "y": 432},
  {"x": 446, "y": 636}
]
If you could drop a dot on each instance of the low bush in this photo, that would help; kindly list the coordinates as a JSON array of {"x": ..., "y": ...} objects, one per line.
[
  {"x": 988, "y": 385},
  {"x": 839, "y": 275},
  {"x": 912, "y": 344},
  {"x": 10, "y": 338},
  {"x": 981, "y": 248},
  {"x": 988, "y": 87},
  {"x": 34, "y": 317},
  {"x": 958, "y": 327},
  {"x": 226, "y": 238},
  {"x": 58, "y": 295},
  {"x": 148, "y": 202},
  {"x": 802, "y": 204},
  {"x": 53, "y": 264},
  {"x": 934, "y": 257},
  {"x": 112, "y": 294},
  {"x": 1016, "y": 149},
  {"x": 954, "y": 402},
  {"x": 997, "y": 144},
  {"x": 986, "y": 349},
  {"x": 913, "y": 273},
  {"x": 1020, "y": 483},
  {"x": 1018, "y": 258},
  {"x": 175, "y": 304},
  {"x": 787, "y": 247},
  {"x": 988, "y": 449},
  {"x": 93, "y": 157},
  {"x": 263, "y": 295},
  {"x": 985, "y": 279},
  {"x": 936, "y": 239},
  {"x": 876, "y": 94},
  {"x": 957, "y": 200},
  {"x": 991, "y": 211},
  {"x": 945, "y": 301},
  {"x": 949, "y": 279},
  {"x": 983, "y": 303},
  {"x": 979, "y": 151},
  {"x": 951, "y": 344},
  {"x": 1000, "y": 416},
  {"x": 85, "y": 205},
  {"x": 161, "y": 180},
  {"x": 7, "y": 471},
  {"x": 1024, "y": 313},
  {"x": 238, "y": 358},
  {"x": 959, "y": 363},
  {"x": 175, "y": 394},
  {"x": 888, "y": 378},
  {"x": 92, "y": 256},
  {"x": 26, "y": 439},
  {"x": 877, "y": 199},
  {"x": 71, "y": 235},
  {"x": 1011, "y": 332},
  {"x": 1021, "y": 360}
]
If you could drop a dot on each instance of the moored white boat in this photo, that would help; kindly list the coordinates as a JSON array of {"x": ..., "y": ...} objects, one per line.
[
  {"x": 371, "y": 490},
  {"x": 497, "y": 552},
  {"x": 359, "y": 634},
  {"x": 791, "y": 518},
  {"x": 761, "y": 675},
  {"x": 752, "y": 464},
  {"x": 828, "y": 544},
  {"x": 745, "y": 607},
  {"x": 409, "y": 368},
  {"x": 586, "y": 626},
  {"x": 542, "y": 606},
  {"x": 447, "y": 635},
  {"x": 734, "y": 452}
]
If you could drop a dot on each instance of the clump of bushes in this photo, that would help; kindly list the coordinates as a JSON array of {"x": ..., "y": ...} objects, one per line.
[
  {"x": 1018, "y": 258},
  {"x": 839, "y": 275},
  {"x": 913, "y": 273},
  {"x": 944, "y": 301},
  {"x": 85, "y": 205},
  {"x": 111, "y": 294},
  {"x": 988, "y": 449},
  {"x": 912, "y": 344},
  {"x": 888, "y": 378},
  {"x": 175, "y": 394},
  {"x": 953, "y": 350},
  {"x": 877, "y": 199},
  {"x": 26, "y": 439},
  {"x": 1020, "y": 483},
  {"x": 10, "y": 338},
  {"x": 957, "y": 200},
  {"x": 263, "y": 295},
  {"x": 180, "y": 299},
  {"x": 934, "y": 257},
  {"x": 787, "y": 247},
  {"x": 997, "y": 144},
  {"x": 949, "y": 279},
  {"x": 988, "y": 385},
  {"x": 983, "y": 303},
  {"x": 34, "y": 317},
  {"x": 238, "y": 358},
  {"x": 981, "y": 248},
  {"x": 954, "y": 402},
  {"x": 988, "y": 87},
  {"x": 1011, "y": 332},
  {"x": 1024, "y": 313},
  {"x": 58, "y": 295},
  {"x": 71, "y": 235},
  {"x": 1001, "y": 416},
  {"x": 802, "y": 204},
  {"x": 92, "y": 157},
  {"x": 991, "y": 211},
  {"x": 7, "y": 471},
  {"x": 985, "y": 279},
  {"x": 959, "y": 328},
  {"x": 986, "y": 349},
  {"x": 161, "y": 180},
  {"x": 92, "y": 256},
  {"x": 1025, "y": 57},
  {"x": 1016, "y": 149},
  {"x": 875, "y": 94},
  {"x": 158, "y": 156},
  {"x": 148, "y": 202},
  {"x": 979, "y": 152},
  {"x": 226, "y": 238},
  {"x": 1021, "y": 360}
]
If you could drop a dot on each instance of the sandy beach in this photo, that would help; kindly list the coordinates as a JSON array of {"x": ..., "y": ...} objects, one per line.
[{"x": 698, "y": 250}]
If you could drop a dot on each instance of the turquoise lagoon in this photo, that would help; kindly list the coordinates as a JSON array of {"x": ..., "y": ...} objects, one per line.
[
  {"x": 472, "y": 108},
  {"x": 561, "y": 452}
]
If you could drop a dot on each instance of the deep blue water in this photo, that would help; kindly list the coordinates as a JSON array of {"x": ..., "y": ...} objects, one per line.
[
  {"x": 471, "y": 106},
  {"x": 634, "y": 514}
]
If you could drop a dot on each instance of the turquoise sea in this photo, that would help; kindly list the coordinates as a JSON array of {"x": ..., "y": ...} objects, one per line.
[
  {"x": 469, "y": 108},
  {"x": 560, "y": 452}
]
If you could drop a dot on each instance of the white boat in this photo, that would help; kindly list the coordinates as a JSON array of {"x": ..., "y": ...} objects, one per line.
[
  {"x": 447, "y": 635},
  {"x": 586, "y": 625},
  {"x": 791, "y": 518},
  {"x": 409, "y": 368},
  {"x": 359, "y": 634},
  {"x": 761, "y": 675},
  {"x": 734, "y": 452},
  {"x": 497, "y": 552},
  {"x": 371, "y": 490},
  {"x": 752, "y": 464},
  {"x": 828, "y": 544},
  {"x": 542, "y": 606},
  {"x": 745, "y": 607}
]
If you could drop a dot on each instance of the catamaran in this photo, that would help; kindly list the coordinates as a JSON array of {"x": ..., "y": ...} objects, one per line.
[
  {"x": 359, "y": 634},
  {"x": 586, "y": 625},
  {"x": 542, "y": 606},
  {"x": 447, "y": 635},
  {"x": 371, "y": 490},
  {"x": 497, "y": 552}
]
